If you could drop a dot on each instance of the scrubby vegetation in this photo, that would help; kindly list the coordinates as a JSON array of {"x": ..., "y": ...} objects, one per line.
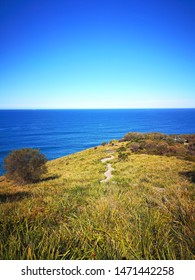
[
  {"x": 146, "y": 211},
  {"x": 181, "y": 146},
  {"x": 25, "y": 165}
]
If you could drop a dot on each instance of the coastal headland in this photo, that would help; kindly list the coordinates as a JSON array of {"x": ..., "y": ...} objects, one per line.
[{"x": 126, "y": 199}]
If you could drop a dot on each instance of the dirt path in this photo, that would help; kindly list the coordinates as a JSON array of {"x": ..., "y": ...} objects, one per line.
[{"x": 108, "y": 173}]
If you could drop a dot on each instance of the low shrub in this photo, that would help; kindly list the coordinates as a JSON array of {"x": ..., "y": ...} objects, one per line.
[
  {"x": 25, "y": 165},
  {"x": 133, "y": 136},
  {"x": 134, "y": 147},
  {"x": 122, "y": 156},
  {"x": 121, "y": 149}
]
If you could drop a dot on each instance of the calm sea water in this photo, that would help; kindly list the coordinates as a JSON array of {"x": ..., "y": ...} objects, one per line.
[{"x": 61, "y": 132}]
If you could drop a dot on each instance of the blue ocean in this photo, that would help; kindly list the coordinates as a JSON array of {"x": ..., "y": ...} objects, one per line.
[{"x": 61, "y": 132}]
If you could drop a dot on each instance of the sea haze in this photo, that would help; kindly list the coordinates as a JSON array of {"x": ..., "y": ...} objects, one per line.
[{"x": 61, "y": 132}]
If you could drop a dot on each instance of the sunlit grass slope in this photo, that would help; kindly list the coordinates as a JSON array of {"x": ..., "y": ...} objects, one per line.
[{"x": 146, "y": 210}]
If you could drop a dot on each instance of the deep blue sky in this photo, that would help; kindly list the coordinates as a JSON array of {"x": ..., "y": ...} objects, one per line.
[{"x": 97, "y": 54}]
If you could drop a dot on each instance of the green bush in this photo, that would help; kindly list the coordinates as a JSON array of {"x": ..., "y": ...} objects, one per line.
[
  {"x": 122, "y": 156},
  {"x": 121, "y": 149},
  {"x": 25, "y": 165}
]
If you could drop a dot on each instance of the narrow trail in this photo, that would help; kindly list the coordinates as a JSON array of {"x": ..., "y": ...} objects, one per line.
[{"x": 108, "y": 173}]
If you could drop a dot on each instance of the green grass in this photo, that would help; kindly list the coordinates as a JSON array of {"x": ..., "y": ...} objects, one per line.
[{"x": 146, "y": 211}]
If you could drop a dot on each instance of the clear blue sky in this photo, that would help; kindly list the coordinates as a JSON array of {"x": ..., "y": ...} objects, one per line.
[{"x": 97, "y": 54}]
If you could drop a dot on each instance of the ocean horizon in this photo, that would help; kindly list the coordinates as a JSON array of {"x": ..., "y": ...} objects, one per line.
[{"x": 60, "y": 132}]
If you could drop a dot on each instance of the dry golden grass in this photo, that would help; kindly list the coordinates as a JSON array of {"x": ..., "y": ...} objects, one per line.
[{"x": 146, "y": 211}]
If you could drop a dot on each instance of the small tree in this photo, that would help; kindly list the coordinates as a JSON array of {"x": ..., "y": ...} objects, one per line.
[{"x": 25, "y": 165}]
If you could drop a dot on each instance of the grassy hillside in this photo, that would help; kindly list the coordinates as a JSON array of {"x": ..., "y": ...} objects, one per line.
[{"x": 145, "y": 211}]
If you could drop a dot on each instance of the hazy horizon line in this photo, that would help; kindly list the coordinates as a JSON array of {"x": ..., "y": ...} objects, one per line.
[{"x": 138, "y": 108}]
